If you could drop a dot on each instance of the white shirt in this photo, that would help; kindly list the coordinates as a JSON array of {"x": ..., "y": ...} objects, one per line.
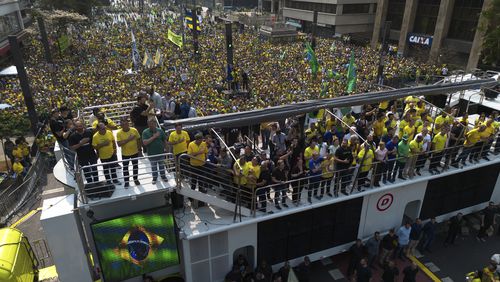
[
  {"x": 322, "y": 149},
  {"x": 426, "y": 140},
  {"x": 192, "y": 112},
  {"x": 157, "y": 100}
]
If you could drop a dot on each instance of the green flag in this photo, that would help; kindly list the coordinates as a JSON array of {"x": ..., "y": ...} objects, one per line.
[
  {"x": 351, "y": 75},
  {"x": 176, "y": 39},
  {"x": 313, "y": 61}
]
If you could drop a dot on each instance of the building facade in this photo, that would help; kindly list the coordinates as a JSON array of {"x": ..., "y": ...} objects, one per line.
[
  {"x": 334, "y": 16},
  {"x": 13, "y": 17},
  {"x": 440, "y": 30}
]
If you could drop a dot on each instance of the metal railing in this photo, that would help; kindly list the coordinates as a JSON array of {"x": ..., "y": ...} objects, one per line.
[
  {"x": 214, "y": 178},
  {"x": 113, "y": 111},
  {"x": 12, "y": 200},
  {"x": 349, "y": 180},
  {"x": 102, "y": 179}
]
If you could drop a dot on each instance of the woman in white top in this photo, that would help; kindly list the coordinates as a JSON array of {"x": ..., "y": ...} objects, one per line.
[{"x": 380, "y": 166}]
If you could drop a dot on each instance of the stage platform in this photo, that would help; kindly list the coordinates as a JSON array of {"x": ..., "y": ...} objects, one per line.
[{"x": 68, "y": 179}]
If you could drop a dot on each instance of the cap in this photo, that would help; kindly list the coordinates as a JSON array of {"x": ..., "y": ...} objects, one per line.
[
  {"x": 405, "y": 137},
  {"x": 389, "y": 113}
]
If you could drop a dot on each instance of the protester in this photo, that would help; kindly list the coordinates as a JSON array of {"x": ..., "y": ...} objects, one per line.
[
  {"x": 104, "y": 143},
  {"x": 129, "y": 140},
  {"x": 154, "y": 139}
]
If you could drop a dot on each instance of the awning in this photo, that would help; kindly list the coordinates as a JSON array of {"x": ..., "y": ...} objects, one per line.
[
  {"x": 9, "y": 71},
  {"x": 297, "y": 25}
]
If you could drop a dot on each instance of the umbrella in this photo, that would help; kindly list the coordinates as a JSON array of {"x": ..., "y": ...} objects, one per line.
[{"x": 4, "y": 106}]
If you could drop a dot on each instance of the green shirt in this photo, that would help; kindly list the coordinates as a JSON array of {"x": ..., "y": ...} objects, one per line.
[
  {"x": 158, "y": 145},
  {"x": 403, "y": 151}
]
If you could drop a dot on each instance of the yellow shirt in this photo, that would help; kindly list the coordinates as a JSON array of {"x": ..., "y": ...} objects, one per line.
[
  {"x": 367, "y": 162},
  {"x": 17, "y": 167},
  {"x": 308, "y": 152},
  {"x": 130, "y": 148},
  {"x": 415, "y": 147},
  {"x": 18, "y": 152},
  {"x": 421, "y": 127},
  {"x": 378, "y": 128},
  {"x": 489, "y": 131},
  {"x": 251, "y": 174},
  {"x": 175, "y": 137},
  {"x": 473, "y": 137},
  {"x": 383, "y": 105},
  {"x": 329, "y": 124},
  {"x": 440, "y": 120},
  {"x": 327, "y": 168},
  {"x": 349, "y": 121},
  {"x": 392, "y": 123},
  {"x": 25, "y": 149},
  {"x": 200, "y": 159},
  {"x": 242, "y": 178},
  {"x": 410, "y": 131},
  {"x": 107, "y": 151},
  {"x": 439, "y": 141}
]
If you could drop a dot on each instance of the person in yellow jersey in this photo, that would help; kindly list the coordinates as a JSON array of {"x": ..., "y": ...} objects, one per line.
[
  {"x": 439, "y": 143},
  {"x": 488, "y": 136},
  {"x": 251, "y": 171},
  {"x": 391, "y": 121},
  {"x": 238, "y": 177},
  {"x": 348, "y": 121},
  {"x": 129, "y": 140},
  {"x": 402, "y": 124},
  {"x": 384, "y": 105},
  {"x": 109, "y": 123},
  {"x": 17, "y": 152},
  {"x": 415, "y": 151},
  {"x": 179, "y": 140},
  {"x": 104, "y": 143},
  {"x": 365, "y": 160},
  {"x": 410, "y": 130},
  {"x": 197, "y": 151},
  {"x": 440, "y": 120},
  {"x": 471, "y": 138},
  {"x": 379, "y": 128},
  {"x": 309, "y": 151},
  {"x": 327, "y": 167},
  {"x": 18, "y": 168},
  {"x": 425, "y": 124}
]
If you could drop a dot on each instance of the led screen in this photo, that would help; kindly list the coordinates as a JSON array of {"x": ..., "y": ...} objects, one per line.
[{"x": 135, "y": 244}]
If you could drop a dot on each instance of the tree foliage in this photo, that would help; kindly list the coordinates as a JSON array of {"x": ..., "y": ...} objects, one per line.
[{"x": 491, "y": 43}]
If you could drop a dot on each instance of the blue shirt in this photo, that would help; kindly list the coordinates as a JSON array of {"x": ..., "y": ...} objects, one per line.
[
  {"x": 390, "y": 146},
  {"x": 403, "y": 235},
  {"x": 315, "y": 164}
]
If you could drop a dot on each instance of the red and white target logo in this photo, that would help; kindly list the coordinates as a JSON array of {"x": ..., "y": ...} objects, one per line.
[{"x": 385, "y": 202}]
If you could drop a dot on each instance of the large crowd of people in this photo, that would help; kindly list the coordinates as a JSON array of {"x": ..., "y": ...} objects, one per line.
[{"x": 93, "y": 70}]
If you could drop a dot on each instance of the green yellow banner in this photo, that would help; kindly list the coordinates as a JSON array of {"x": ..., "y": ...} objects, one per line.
[{"x": 176, "y": 39}]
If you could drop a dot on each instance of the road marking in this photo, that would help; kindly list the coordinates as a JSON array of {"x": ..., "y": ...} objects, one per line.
[
  {"x": 432, "y": 267},
  {"x": 336, "y": 274},
  {"x": 447, "y": 279},
  {"x": 425, "y": 269},
  {"x": 52, "y": 191},
  {"x": 25, "y": 217}
]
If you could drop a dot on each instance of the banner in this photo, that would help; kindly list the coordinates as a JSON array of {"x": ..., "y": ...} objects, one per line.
[
  {"x": 351, "y": 75},
  {"x": 174, "y": 38},
  {"x": 63, "y": 42},
  {"x": 135, "y": 53}
]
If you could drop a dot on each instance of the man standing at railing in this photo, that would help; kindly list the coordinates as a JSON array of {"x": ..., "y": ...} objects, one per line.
[
  {"x": 471, "y": 139},
  {"x": 129, "y": 140},
  {"x": 197, "y": 151},
  {"x": 81, "y": 142},
  {"x": 343, "y": 159},
  {"x": 104, "y": 143},
  {"x": 155, "y": 141},
  {"x": 179, "y": 139},
  {"x": 438, "y": 146}
]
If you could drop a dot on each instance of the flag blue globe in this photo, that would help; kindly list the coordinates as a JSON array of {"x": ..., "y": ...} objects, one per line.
[{"x": 138, "y": 245}]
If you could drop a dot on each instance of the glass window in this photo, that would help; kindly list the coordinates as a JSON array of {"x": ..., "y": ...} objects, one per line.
[
  {"x": 308, "y": 6},
  {"x": 395, "y": 13},
  {"x": 425, "y": 20},
  {"x": 9, "y": 24},
  {"x": 464, "y": 19},
  {"x": 356, "y": 8}
]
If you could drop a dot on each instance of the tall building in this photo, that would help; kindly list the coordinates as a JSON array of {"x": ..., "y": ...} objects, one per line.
[
  {"x": 441, "y": 30},
  {"x": 334, "y": 16}
]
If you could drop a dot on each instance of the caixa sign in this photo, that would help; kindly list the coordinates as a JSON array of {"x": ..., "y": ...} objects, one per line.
[{"x": 420, "y": 39}]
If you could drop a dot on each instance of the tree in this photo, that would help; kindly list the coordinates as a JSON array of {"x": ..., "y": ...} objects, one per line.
[
  {"x": 491, "y": 42},
  {"x": 83, "y": 7}
]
